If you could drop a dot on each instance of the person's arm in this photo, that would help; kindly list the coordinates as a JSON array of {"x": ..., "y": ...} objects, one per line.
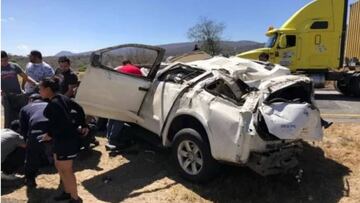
[
  {"x": 24, "y": 76},
  {"x": 49, "y": 71},
  {"x": 80, "y": 112},
  {"x": 23, "y": 82},
  {"x": 49, "y": 113},
  {"x": 81, "y": 115},
  {"x": 27, "y": 78},
  {"x": 71, "y": 90},
  {"x": 24, "y": 123},
  {"x": 44, "y": 138},
  {"x": 20, "y": 142}
]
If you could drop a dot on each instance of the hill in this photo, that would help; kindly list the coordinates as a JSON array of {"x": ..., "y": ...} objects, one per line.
[
  {"x": 229, "y": 47},
  {"x": 81, "y": 60},
  {"x": 65, "y": 53}
]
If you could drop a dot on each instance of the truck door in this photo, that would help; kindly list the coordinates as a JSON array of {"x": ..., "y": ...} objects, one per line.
[
  {"x": 106, "y": 92},
  {"x": 286, "y": 56},
  {"x": 323, "y": 45}
]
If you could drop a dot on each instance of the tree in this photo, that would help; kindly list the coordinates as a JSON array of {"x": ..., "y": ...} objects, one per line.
[{"x": 208, "y": 33}]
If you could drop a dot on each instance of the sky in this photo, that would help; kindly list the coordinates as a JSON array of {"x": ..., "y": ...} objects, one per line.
[{"x": 84, "y": 25}]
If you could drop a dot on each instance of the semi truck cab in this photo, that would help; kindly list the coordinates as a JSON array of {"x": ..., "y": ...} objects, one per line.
[
  {"x": 312, "y": 39},
  {"x": 312, "y": 42}
]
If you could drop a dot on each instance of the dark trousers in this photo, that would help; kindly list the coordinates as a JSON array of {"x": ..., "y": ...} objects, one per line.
[
  {"x": 12, "y": 104},
  {"x": 37, "y": 155},
  {"x": 14, "y": 161},
  {"x": 114, "y": 128},
  {"x": 90, "y": 138}
]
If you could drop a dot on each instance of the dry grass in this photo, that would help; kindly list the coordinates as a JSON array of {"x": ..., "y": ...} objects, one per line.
[
  {"x": 331, "y": 174},
  {"x": 342, "y": 144}
]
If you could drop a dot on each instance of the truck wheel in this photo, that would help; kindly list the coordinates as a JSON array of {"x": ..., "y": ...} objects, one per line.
[
  {"x": 355, "y": 84},
  {"x": 342, "y": 87},
  {"x": 358, "y": 85},
  {"x": 350, "y": 86},
  {"x": 192, "y": 156}
]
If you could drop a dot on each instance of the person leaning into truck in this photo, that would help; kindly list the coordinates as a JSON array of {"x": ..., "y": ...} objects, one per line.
[
  {"x": 33, "y": 126},
  {"x": 12, "y": 97},
  {"x": 128, "y": 68},
  {"x": 69, "y": 80},
  {"x": 65, "y": 133},
  {"x": 117, "y": 140}
]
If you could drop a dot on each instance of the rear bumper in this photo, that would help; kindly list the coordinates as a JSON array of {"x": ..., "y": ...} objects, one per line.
[{"x": 275, "y": 161}]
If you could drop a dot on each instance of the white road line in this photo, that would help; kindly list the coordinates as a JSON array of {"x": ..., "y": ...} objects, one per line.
[
  {"x": 327, "y": 92},
  {"x": 338, "y": 115}
]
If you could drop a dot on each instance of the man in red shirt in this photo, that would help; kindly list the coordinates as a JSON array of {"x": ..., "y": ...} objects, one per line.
[
  {"x": 117, "y": 139},
  {"x": 129, "y": 68}
]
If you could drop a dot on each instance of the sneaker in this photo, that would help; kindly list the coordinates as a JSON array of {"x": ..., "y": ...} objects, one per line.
[
  {"x": 79, "y": 200},
  {"x": 120, "y": 144},
  {"x": 5, "y": 176},
  {"x": 110, "y": 147},
  {"x": 63, "y": 196},
  {"x": 95, "y": 142}
]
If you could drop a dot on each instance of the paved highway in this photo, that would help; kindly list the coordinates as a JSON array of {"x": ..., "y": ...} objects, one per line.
[{"x": 336, "y": 107}]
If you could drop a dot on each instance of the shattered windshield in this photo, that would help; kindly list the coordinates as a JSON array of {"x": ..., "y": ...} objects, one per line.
[{"x": 271, "y": 41}]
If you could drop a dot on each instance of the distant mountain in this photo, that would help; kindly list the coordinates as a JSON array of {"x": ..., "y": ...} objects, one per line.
[
  {"x": 82, "y": 59},
  {"x": 65, "y": 53},
  {"x": 174, "y": 49},
  {"x": 229, "y": 47}
]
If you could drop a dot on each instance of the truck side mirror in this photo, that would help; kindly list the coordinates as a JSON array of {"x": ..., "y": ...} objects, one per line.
[{"x": 282, "y": 41}]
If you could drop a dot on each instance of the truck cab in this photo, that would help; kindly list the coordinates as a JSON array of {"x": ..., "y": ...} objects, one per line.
[{"x": 312, "y": 39}]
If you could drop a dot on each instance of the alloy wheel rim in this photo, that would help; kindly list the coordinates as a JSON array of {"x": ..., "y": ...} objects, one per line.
[{"x": 190, "y": 157}]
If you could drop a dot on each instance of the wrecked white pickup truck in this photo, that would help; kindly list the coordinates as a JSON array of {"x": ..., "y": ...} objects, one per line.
[{"x": 214, "y": 110}]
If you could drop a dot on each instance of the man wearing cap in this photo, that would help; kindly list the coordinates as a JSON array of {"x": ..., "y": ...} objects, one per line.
[
  {"x": 69, "y": 80},
  {"x": 36, "y": 69},
  {"x": 34, "y": 126},
  {"x": 12, "y": 97}
]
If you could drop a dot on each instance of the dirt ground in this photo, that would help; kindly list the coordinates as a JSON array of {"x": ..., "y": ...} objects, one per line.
[{"x": 146, "y": 174}]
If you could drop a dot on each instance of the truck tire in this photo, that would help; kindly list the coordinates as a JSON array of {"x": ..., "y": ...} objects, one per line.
[
  {"x": 342, "y": 87},
  {"x": 350, "y": 85},
  {"x": 192, "y": 156},
  {"x": 355, "y": 84}
]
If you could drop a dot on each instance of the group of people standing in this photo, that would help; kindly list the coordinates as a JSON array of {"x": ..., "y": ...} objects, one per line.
[
  {"x": 47, "y": 117},
  {"x": 48, "y": 126}
]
